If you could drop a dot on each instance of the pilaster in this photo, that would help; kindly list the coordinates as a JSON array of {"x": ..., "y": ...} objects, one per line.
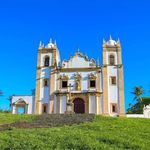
[
  {"x": 121, "y": 91},
  {"x": 121, "y": 82},
  {"x": 38, "y": 76},
  {"x": 105, "y": 91},
  {"x": 58, "y": 104},
  {"x": 52, "y": 89},
  {"x": 97, "y": 105}
]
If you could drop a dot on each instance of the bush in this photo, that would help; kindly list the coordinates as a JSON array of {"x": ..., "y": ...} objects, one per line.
[{"x": 5, "y": 111}]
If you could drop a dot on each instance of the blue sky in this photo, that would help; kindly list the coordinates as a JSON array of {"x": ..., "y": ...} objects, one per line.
[{"x": 73, "y": 23}]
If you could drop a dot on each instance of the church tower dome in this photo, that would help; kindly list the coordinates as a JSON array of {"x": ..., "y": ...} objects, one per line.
[{"x": 111, "y": 42}]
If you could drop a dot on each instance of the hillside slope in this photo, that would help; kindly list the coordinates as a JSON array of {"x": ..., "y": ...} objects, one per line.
[{"x": 102, "y": 133}]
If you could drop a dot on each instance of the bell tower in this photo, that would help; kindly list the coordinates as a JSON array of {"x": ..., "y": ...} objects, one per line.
[
  {"x": 113, "y": 81},
  {"x": 47, "y": 62}
]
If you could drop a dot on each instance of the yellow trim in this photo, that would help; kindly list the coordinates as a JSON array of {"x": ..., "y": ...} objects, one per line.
[{"x": 79, "y": 69}]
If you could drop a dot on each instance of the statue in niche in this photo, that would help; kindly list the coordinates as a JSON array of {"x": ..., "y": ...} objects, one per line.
[
  {"x": 78, "y": 84},
  {"x": 77, "y": 81}
]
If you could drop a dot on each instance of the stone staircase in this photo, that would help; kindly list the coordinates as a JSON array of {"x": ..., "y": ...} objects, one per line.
[{"x": 52, "y": 120}]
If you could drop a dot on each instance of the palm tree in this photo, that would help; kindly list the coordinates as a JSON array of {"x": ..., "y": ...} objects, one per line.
[
  {"x": 10, "y": 99},
  {"x": 138, "y": 92},
  {"x": 33, "y": 91}
]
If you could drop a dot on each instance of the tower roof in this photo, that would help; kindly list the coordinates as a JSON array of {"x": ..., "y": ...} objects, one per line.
[
  {"x": 111, "y": 42},
  {"x": 50, "y": 44}
]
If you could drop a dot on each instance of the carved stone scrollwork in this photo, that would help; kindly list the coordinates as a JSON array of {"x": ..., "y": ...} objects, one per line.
[
  {"x": 92, "y": 76},
  {"x": 64, "y": 77}
]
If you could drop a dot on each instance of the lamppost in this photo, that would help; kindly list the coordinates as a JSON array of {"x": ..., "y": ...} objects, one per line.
[{"x": 69, "y": 104}]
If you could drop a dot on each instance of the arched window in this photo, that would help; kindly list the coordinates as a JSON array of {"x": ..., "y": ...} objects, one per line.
[
  {"x": 45, "y": 82},
  {"x": 46, "y": 61},
  {"x": 111, "y": 59}
]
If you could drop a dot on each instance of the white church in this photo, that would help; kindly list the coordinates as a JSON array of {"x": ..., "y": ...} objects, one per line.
[{"x": 92, "y": 88}]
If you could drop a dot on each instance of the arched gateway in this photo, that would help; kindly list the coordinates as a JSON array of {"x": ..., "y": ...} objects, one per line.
[
  {"x": 21, "y": 107},
  {"x": 79, "y": 106}
]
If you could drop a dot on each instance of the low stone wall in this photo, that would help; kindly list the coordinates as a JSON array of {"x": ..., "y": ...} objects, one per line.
[
  {"x": 53, "y": 120},
  {"x": 135, "y": 116}
]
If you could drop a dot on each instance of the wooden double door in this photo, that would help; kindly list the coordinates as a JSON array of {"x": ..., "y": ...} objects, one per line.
[{"x": 79, "y": 106}]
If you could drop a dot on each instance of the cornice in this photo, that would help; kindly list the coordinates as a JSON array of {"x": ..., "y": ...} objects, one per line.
[
  {"x": 78, "y": 93},
  {"x": 79, "y": 69},
  {"x": 46, "y": 50},
  {"x": 108, "y": 65}
]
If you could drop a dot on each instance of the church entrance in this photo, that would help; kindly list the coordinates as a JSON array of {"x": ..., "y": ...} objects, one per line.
[{"x": 79, "y": 106}]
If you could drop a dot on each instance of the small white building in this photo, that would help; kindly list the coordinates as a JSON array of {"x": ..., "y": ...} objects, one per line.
[
  {"x": 23, "y": 104},
  {"x": 93, "y": 88},
  {"x": 146, "y": 111}
]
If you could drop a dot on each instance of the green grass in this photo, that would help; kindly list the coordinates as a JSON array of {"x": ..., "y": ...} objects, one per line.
[
  {"x": 10, "y": 118},
  {"x": 103, "y": 133}
]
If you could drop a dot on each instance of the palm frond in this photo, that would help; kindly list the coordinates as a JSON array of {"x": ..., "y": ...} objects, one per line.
[{"x": 137, "y": 92}]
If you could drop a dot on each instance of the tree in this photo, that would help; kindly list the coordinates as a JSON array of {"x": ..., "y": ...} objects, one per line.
[
  {"x": 33, "y": 92},
  {"x": 137, "y": 108},
  {"x": 10, "y": 99},
  {"x": 138, "y": 92}
]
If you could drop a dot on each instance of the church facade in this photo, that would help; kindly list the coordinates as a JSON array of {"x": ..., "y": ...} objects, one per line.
[{"x": 92, "y": 88}]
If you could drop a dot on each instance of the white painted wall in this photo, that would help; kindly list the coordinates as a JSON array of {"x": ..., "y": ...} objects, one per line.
[
  {"x": 45, "y": 91},
  {"x": 147, "y": 114},
  {"x": 28, "y": 100},
  {"x": 113, "y": 89},
  {"x": 45, "y": 73},
  {"x": 45, "y": 95},
  {"x": 92, "y": 104},
  {"x": 55, "y": 104},
  {"x": 63, "y": 101},
  {"x": 146, "y": 111}
]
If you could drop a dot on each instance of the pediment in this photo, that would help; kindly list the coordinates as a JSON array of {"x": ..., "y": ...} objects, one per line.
[
  {"x": 20, "y": 101},
  {"x": 79, "y": 61}
]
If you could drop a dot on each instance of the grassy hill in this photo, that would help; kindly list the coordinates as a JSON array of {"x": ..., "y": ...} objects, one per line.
[
  {"x": 10, "y": 118},
  {"x": 103, "y": 133}
]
